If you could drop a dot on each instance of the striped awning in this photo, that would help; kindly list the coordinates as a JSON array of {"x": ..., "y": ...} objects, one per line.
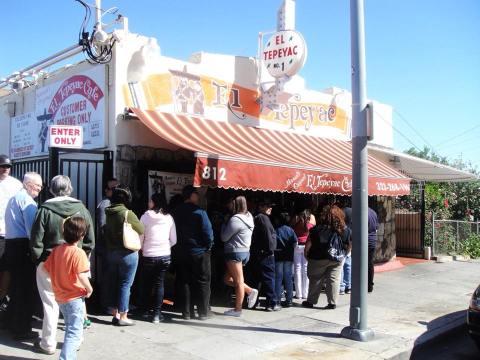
[{"x": 244, "y": 157}]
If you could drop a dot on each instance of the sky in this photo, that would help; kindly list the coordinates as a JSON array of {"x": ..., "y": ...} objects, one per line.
[{"x": 422, "y": 57}]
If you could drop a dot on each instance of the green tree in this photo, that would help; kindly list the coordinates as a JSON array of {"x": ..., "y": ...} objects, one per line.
[{"x": 460, "y": 195}]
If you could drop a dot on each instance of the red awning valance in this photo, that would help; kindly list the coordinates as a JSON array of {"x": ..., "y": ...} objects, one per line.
[{"x": 243, "y": 157}]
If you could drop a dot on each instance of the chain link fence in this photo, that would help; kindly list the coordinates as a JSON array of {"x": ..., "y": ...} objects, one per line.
[{"x": 455, "y": 237}]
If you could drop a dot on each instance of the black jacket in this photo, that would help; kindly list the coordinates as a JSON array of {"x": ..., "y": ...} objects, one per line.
[
  {"x": 264, "y": 237},
  {"x": 194, "y": 229}
]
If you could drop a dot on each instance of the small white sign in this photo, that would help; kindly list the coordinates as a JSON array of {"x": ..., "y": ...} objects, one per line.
[
  {"x": 285, "y": 53},
  {"x": 65, "y": 136}
]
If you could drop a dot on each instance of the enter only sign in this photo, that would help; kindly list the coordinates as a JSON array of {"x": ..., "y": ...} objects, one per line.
[{"x": 65, "y": 136}]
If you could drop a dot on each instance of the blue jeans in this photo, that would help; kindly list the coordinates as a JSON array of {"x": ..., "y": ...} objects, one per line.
[
  {"x": 346, "y": 282},
  {"x": 242, "y": 257},
  {"x": 153, "y": 277},
  {"x": 122, "y": 266},
  {"x": 73, "y": 313},
  {"x": 283, "y": 274},
  {"x": 261, "y": 272}
]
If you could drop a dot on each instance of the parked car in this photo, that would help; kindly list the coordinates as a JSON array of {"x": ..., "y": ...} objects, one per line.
[{"x": 473, "y": 317}]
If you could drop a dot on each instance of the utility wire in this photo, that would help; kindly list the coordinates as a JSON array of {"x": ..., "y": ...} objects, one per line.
[
  {"x": 398, "y": 131},
  {"x": 463, "y": 142},
  {"x": 414, "y": 130},
  {"x": 459, "y": 135}
]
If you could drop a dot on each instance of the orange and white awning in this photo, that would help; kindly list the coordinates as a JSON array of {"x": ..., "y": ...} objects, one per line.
[{"x": 242, "y": 157}]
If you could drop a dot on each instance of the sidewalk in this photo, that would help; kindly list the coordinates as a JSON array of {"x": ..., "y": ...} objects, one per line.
[{"x": 408, "y": 306}]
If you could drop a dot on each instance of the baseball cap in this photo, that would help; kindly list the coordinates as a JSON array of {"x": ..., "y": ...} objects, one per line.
[
  {"x": 266, "y": 202},
  {"x": 5, "y": 161}
]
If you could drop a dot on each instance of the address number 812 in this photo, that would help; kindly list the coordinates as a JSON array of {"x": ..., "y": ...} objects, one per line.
[{"x": 212, "y": 172}]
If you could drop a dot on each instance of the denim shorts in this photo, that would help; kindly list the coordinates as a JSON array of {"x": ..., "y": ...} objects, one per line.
[{"x": 238, "y": 257}]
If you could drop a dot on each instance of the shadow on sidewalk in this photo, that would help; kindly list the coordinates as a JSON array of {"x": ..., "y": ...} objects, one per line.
[
  {"x": 7, "y": 341},
  {"x": 196, "y": 323}
]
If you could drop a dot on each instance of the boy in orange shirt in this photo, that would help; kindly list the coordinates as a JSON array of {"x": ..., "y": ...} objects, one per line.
[{"x": 68, "y": 267}]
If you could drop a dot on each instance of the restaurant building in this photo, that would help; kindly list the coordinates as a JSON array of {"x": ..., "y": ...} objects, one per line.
[{"x": 221, "y": 122}]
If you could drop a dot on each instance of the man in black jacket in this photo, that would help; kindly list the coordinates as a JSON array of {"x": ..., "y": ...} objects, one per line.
[
  {"x": 264, "y": 243},
  {"x": 194, "y": 242}
]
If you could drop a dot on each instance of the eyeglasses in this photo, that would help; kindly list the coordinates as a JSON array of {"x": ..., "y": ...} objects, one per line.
[
  {"x": 39, "y": 187},
  {"x": 5, "y": 166}
]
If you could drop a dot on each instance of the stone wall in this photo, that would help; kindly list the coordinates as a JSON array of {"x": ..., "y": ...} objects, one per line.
[{"x": 386, "y": 242}]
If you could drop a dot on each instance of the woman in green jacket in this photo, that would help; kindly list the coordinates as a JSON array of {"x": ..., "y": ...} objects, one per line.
[{"x": 122, "y": 262}]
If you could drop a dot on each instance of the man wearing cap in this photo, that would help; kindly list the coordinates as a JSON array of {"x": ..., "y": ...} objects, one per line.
[
  {"x": 19, "y": 218},
  {"x": 194, "y": 241},
  {"x": 9, "y": 186},
  {"x": 264, "y": 243}
]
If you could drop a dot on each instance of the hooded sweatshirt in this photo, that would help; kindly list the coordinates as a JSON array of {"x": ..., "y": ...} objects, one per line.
[
  {"x": 113, "y": 231},
  {"x": 160, "y": 234},
  {"x": 47, "y": 228},
  {"x": 237, "y": 233}
]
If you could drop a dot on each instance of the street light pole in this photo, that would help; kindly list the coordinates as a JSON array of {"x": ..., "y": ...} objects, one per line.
[{"x": 358, "y": 302}]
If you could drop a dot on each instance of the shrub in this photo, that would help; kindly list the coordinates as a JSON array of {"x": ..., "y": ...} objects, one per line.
[{"x": 471, "y": 246}]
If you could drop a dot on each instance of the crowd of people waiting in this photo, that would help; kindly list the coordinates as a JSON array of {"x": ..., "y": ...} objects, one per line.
[{"x": 279, "y": 255}]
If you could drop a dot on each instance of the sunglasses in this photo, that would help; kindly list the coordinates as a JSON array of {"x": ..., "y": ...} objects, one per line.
[{"x": 5, "y": 166}]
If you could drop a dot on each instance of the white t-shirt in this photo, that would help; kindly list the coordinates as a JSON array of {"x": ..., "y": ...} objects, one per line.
[
  {"x": 8, "y": 188},
  {"x": 160, "y": 234}
]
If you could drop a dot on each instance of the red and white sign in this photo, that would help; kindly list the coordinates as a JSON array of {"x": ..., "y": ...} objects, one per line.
[
  {"x": 285, "y": 53},
  {"x": 64, "y": 136},
  {"x": 248, "y": 176}
]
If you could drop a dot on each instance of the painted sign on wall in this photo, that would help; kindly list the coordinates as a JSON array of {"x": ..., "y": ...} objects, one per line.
[
  {"x": 167, "y": 184},
  {"x": 187, "y": 92},
  {"x": 23, "y": 140},
  {"x": 79, "y": 100}
]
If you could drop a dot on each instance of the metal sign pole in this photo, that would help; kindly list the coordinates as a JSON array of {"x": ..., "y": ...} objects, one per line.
[{"x": 358, "y": 329}]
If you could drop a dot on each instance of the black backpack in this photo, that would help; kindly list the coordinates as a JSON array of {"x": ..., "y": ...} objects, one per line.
[{"x": 338, "y": 245}]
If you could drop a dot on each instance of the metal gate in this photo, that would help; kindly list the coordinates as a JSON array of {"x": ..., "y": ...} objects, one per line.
[
  {"x": 88, "y": 170},
  {"x": 87, "y": 178},
  {"x": 410, "y": 222},
  {"x": 40, "y": 166}
]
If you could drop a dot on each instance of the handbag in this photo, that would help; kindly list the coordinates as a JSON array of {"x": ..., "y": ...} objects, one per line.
[{"x": 131, "y": 239}]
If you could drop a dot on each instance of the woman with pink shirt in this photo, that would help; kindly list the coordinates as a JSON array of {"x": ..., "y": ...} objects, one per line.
[
  {"x": 302, "y": 223},
  {"x": 159, "y": 236}
]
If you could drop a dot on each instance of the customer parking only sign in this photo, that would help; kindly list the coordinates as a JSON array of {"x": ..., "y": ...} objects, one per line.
[{"x": 64, "y": 136}]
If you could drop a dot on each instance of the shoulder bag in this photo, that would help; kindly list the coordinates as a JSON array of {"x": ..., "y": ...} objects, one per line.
[{"x": 131, "y": 239}]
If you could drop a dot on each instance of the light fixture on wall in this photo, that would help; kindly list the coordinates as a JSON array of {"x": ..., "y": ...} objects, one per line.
[{"x": 10, "y": 107}]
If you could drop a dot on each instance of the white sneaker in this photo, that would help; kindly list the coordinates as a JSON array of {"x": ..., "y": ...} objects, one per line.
[
  {"x": 252, "y": 298},
  {"x": 232, "y": 312}
]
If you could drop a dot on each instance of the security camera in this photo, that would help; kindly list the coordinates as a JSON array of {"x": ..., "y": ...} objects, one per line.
[
  {"x": 18, "y": 85},
  {"x": 100, "y": 37}
]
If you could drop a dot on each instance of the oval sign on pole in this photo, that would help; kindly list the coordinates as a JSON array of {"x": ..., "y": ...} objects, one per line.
[{"x": 285, "y": 53}]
